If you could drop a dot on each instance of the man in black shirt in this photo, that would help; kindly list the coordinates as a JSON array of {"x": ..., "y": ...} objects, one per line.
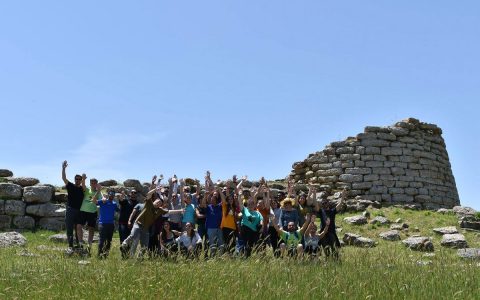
[
  {"x": 126, "y": 207},
  {"x": 74, "y": 202},
  {"x": 330, "y": 242}
]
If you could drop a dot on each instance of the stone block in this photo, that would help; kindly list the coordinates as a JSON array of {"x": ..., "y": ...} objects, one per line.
[
  {"x": 401, "y": 184},
  {"x": 5, "y": 222},
  {"x": 388, "y": 164},
  {"x": 411, "y": 191},
  {"x": 329, "y": 172},
  {"x": 350, "y": 156},
  {"x": 379, "y": 158},
  {"x": 390, "y": 151},
  {"x": 371, "y": 177},
  {"x": 356, "y": 171},
  {"x": 402, "y": 198},
  {"x": 46, "y": 210},
  {"x": 14, "y": 207},
  {"x": 38, "y": 194},
  {"x": 374, "y": 164},
  {"x": 398, "y": 171},
  {"x": 351, "y": 178},
  {"x": 23, "y": 222},
  {"x": 360, "y": 150},
  {"x": 54, "y": 224},
  {"x": 393, "y": 191},
  {"x": 359, "y": 164},
  {"x": 374, "y": 143},
  {"x": 386, "y": 136},
  {"x": 2, "y": 207},
  {"x": 372, "y": 150},
  {"x": 10, "y": 191},
  {"x": 345, "y": 150},
  {"x": 378, "y": 190},
  {"x": 381, "y": 171},
  {"x": 361, "y": 185}
]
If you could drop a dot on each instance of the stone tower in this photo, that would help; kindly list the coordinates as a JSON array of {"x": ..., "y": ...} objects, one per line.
[{"x": 406, "y": 163}]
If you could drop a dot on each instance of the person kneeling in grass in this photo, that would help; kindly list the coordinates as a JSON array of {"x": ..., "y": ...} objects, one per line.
[
  {"x": 150, "y": 212},
  {"x": 312, "y": 238},
  {"x": 106, "y": 226},
  {"x": 189, "y": 242},
  {"x": 291, "y": 238}
]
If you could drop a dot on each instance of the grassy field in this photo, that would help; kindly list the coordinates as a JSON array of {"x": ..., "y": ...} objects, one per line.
[{"x": 388, "y": 271}]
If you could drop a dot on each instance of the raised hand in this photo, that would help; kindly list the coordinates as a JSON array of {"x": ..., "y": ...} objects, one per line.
[
  {"x": 154, "y": 178},
  {"x": 84, "y": 176},
  {"x": 64, "y": 164}
]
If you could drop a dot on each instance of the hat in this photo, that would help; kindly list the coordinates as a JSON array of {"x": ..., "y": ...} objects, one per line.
[{"x": 287, "y": 200}]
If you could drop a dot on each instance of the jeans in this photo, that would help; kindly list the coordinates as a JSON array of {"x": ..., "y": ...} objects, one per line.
[
  {"x": 70, "y": 218},
  {"x": 138, "y": 234},
  {"x": 106, "y": 235},
  {"x": 123, "y": 231},
  {"x": 215, "y": 237}
]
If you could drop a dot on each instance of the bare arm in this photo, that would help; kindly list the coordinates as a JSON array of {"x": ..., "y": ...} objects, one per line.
[
  {"x": 275, "y": 225},
  {"x": 84, "y": 178},
  {"x": 325, "y": 230},
  {"x": 306, "y": 224},
  {"x": 222, "y": 196},
  {"x": 64, "y": 174},
  {"x": 97, "y": 192},
  {"x": 267, "y": 198},
  {"x": 342, "y": 200}
]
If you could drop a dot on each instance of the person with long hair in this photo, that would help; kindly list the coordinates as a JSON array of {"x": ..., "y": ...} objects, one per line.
[
  {"x": 229, "y": 218},
  {"x": 251, "y": 225},
  {"x": 168, "y": 245},
  {"x": 189, "y": 242}
]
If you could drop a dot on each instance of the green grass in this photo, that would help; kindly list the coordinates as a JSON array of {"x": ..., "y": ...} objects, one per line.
[{"x": 388, "y": 271}]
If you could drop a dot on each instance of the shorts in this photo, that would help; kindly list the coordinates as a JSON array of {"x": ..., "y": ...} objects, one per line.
[{"x": 86, "y": 218}]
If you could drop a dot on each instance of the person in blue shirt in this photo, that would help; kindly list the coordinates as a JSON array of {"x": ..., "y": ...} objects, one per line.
[{"x": 106, "y": 226}]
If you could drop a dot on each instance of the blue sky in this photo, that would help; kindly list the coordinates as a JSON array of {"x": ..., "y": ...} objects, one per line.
[{"x": 127, "y": 89}]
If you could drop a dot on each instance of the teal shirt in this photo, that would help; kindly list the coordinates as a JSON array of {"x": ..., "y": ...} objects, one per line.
[
  {"x": 87, "y": 204},
  {"x": 251, "y": 219}
]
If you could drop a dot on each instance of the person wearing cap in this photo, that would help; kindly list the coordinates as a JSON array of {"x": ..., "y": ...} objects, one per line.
[
  {"x": 328, "y": 210},
  {"x": 127, "y": 204},
  {"x": 106, "y": 225}
]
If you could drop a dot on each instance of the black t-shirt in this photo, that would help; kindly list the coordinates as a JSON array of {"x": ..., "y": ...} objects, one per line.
[
  {"x": 126, "y": 208},
  {"x": 328, "y": 213},
  {"x": 75, "y": 195}
]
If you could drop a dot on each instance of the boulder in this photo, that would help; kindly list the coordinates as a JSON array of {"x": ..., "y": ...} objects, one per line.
[
  {"x": 53, "y": 224},
  {"x": 454, "y": 241},
  {"x": 8, "y": 239},
  {"x": 14, "y": 207},
  {"x": 380, "y": 220},
  {"x": 419, "y": 243},
  {"x": 10, "y": 191},
  {"x": 109, "y": 182},
  {"x": 46, "y": 210},
  {"x": 60, "y": 198},
  {"x": 464, "y": 211},
  {"x": 356, "y": 220},
  {"x": 5, "y": 222},
  {"x": 470, "y": 224},
  {"x": 469, "y": 253},
  {"x": 23, "y": 222},
  {"x": 358, "y": 241},
  {"x": 38, "y": 194},
  {"x": 391, "y": 235},
  {"x": 24, "y": 181},
  {"x": 5, "y": 173},
  {"x": 446, "y": 230},
  {"x": 134, "y": 183}
]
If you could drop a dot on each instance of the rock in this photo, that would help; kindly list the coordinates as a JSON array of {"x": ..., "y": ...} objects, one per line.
[
  {"x": 428, "y": 255},
  {"x": 366, "y": 214},
  {"x": 53, "y": 224},
  {"x": 10, "y": 191},
  {"x": 380, "y": 220},
  {"x": 464, "y": 211},
  {"x": 424, "y": 262},
  {"x": 60, "y": 198},
  {"x": 469, "y": 253},
  {"x": 14, "y": 207},
  {"x": 109, "y": 182},
  {"x": 134, "y": 183},
  {"x": 467, "y": 224},
  {"x": 444, "y": 211},
  {"x": 62, "y": 237},
  {"x": 419, "y": 243},
  {"x": 24, "y": 181},
  {"x": 356, "y": 220},
  {"x": 46, "y": 210},
  {"x": 23, "y": 222},
  {"x": 83, "y": 262},
  {"x": 358, "y": 241},
  {"x": 392, "y": 235},
  {"x": 8, "y": 239},
  {"x": 5, "y": 222},
  {"x": 446, "y": 230},
  {"x": 38, "y": 194},
  {"x": 5, "y": 173},
  {"x": 454, "y": 241},
  {"x": 396, "y": 227}
]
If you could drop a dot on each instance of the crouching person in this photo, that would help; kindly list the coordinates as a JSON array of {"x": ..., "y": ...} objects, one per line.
[
  {"x": 312, "y": 238},
  {"x": 106, "y": 226},
  {"x": 291, "y": 238},
  {"x": 189, "y": 242}
]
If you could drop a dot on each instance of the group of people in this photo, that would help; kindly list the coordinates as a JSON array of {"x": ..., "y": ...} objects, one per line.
[{"x": 176, "y": 218}]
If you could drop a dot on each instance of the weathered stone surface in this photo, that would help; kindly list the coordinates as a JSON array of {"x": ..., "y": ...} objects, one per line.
[
  {"x": 350, "y": 178},
  {"x": 60, "y": 198},
  {"x": 46, "y": 210},
  {"x": 62, "y": 237},
  {"x": 446, "y": 230},
  {"x": 358, "y": 241},
  {"x": 391, "y": 235},
  {"x": 5, "y": 222},
  {"x": 24, "y": 181},
  {"x": 109, "y": 182},
  {"x": 356, "y": 220},
  {"x": 53, "y": 224},
  {"x": 2, "y": 207},
  {"x": 5, "y": 173},
  {"x": 23, "y": 222},
  {"x": 14, "y": 207},
  {"x": 469, "y": 253},
  {"x": 389, "y": 151},
  {"x": 454, "y": 241},
  {"x": 9, "y": 239},
  {"x": 134, "y": 183},
  {"x": 464, "y": 211},
  {"x": 380, "y": 220},
  {"x": 470, "y": 224},
  {"x": 37, "y": 194},
  {"x": 10, "y": 191},
  {"x": 419, "y": 243}
]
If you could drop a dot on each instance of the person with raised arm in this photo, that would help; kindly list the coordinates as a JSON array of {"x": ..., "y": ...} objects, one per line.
[
  {"x": 106, "y": 221},
  {"x": 292, "y": 238},
  {"x": 250, "y": 225},
  {"x": 188, "y": 205},
  {"x": 175, "y": 201},
  {"x": 74, "y": 202},
  {"x": 229, "y": 218},
  {"x": 312, "y": 238},
  {"x": 214, "y": 218},
  {"x": 127, "y": 204},
  {"x": 189, "y": 242},
  {"x": 168, "y": 246},
  {"x": 328, "y": 210},
  {"x": 88, "y": 211},
  {"x": 150, "y": 212}
]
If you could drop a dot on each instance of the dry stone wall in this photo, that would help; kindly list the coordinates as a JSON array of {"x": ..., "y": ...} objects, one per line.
[{"x": 406, "y": 163}]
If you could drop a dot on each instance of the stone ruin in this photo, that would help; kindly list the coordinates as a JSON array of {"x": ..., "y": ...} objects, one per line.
[{"x": 403, "y": 164}]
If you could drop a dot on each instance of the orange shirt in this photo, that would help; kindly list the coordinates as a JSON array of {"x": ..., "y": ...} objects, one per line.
[{"x": 228, "y": 220}]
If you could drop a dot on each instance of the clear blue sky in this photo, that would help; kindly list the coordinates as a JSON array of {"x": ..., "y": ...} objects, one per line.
[{"x": 126, "y": 89}]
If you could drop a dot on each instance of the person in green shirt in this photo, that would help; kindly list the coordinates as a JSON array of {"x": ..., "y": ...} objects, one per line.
[
  {"x": 88, "y": 211},
  {"x": 291, "y": 238}
]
